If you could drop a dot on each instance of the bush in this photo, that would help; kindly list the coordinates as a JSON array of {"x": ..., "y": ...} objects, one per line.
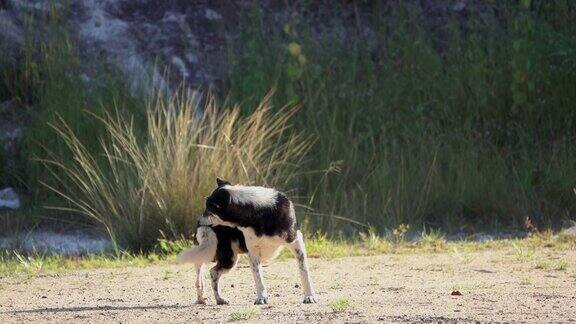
[{"x": 151, "y": 181}]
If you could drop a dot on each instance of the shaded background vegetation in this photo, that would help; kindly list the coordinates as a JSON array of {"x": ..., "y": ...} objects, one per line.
[
  {"x": 467, "y": 122},
  {"x": 463, "y": 121}
]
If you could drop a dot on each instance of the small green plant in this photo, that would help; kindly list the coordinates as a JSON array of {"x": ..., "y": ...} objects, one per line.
[
  {"x": 432, "y": 238},
  {"x": 542, "y": 264},
  {"x": 526, "y": 281},
  {"x": 167, "y": 274},
  {"x": 399, "y": 233},
  {"x": 340, "y": 305},
  {"x": 522, "y": 253},
  {"x": 373, "y": 241},
  {"x": 462, "y": 256},
  {"x": 243, "y": 314},
  {"x": 336, "y": 286},
  {"x": 323, "y": 246},
  {"x": 447, "y": 268},
  {"x": 167, "y": 246},
  {"x": 32, "y": 264},
  {"x": 561, "y": 266}
]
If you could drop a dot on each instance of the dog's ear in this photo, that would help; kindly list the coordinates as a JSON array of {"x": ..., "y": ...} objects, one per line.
[{"x": 221, "y": 182}]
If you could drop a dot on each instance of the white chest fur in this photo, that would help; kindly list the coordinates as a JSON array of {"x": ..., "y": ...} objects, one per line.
[{"x": 264, "y": 247}]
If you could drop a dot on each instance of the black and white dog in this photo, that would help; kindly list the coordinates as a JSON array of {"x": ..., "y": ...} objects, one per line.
[{"x": 246, "y": 219}]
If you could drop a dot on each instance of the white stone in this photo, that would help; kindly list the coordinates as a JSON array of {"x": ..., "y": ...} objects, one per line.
[
  {"x": 73, "y": 243},
  {"x": 212, "y": 15},
  {"x": 571, "y": 230},
  {"x": 9, "y": 199}
]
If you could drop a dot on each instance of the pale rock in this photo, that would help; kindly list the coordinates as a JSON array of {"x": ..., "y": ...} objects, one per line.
[{"x": 9, "y": 199}]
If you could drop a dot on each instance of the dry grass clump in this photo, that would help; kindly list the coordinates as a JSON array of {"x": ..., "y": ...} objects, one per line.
[{"x": 153, "y": 179}]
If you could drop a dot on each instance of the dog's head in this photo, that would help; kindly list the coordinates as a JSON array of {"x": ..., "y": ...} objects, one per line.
[
  {"x": 217, "y": 205},
  {"x": 234, "y": 205}
]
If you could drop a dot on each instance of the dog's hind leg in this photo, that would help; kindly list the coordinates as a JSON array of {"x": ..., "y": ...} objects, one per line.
[
  {"x": 216, "y": 272},
  {"x": 299, "y": 250},
  {"x": 200, "y": 284},
  {"x": 222, "y": 267},
  {"x": 261, "y": 293}
]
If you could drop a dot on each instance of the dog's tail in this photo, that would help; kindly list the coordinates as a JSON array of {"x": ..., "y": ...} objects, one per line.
[{"x": 204, "y": 252}]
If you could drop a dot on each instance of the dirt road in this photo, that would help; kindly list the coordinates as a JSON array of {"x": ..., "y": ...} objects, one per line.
[{"x": 495, "y": 286}]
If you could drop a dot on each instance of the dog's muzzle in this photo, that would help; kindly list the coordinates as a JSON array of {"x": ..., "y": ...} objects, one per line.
[{"x": 205, "y": 220}]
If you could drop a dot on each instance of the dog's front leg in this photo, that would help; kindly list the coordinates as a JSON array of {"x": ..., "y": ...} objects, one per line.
[
  {"x": 261, "y": 293},
  {"x": 200, "y": 284},
  {"x": 299, "y": 250}
]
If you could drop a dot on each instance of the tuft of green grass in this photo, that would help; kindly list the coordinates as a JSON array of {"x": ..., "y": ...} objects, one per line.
[
  {"x": 32, "y": 265},
  {"x": 166, "y": 246},
  {"x": 373, "y": 242},
  {"x": 243, "y": 314},
  {"x": 463, "y": 257},
  {"x": 167, "y": 274},
  {"x": 560, "y": 265},
  {"x": 336, "y": 286},
  {"x": 542, "y": 264},
  {"x": 522, "y": 253},
  {"x": 433, "y": 238},
  {"x": 341, "y": 305}
]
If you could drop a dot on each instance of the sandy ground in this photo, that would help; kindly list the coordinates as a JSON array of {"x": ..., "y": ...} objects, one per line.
[{"x": 495, "y": 286}]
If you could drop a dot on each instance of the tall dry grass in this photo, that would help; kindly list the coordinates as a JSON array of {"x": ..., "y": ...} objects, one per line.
[{"x": 152, "y": 181}]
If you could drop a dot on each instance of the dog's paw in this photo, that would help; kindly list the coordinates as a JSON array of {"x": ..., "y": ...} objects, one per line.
[
  {"x": 201, "y": 301},
  {"x": 261, "y": 301},
  {"x": 222, "y": 301},
  {"x": 309, "y": 299}
]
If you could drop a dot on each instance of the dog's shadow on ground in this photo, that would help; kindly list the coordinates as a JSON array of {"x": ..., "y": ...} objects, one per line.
[{"x": 93, "y": 308}]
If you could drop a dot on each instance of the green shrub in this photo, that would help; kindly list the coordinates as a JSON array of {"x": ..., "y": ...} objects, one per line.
[
  {"x": 66, "y": 92},
  {"x": 469, "y": 127},
  {"x": 51, "y": 81}
]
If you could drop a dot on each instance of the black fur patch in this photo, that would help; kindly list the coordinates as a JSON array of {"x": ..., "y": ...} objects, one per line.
[
  {"x": 218, "y": 200},
  {"x": 276, "y": 220},
  {"x": 224, "y": 254}
]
